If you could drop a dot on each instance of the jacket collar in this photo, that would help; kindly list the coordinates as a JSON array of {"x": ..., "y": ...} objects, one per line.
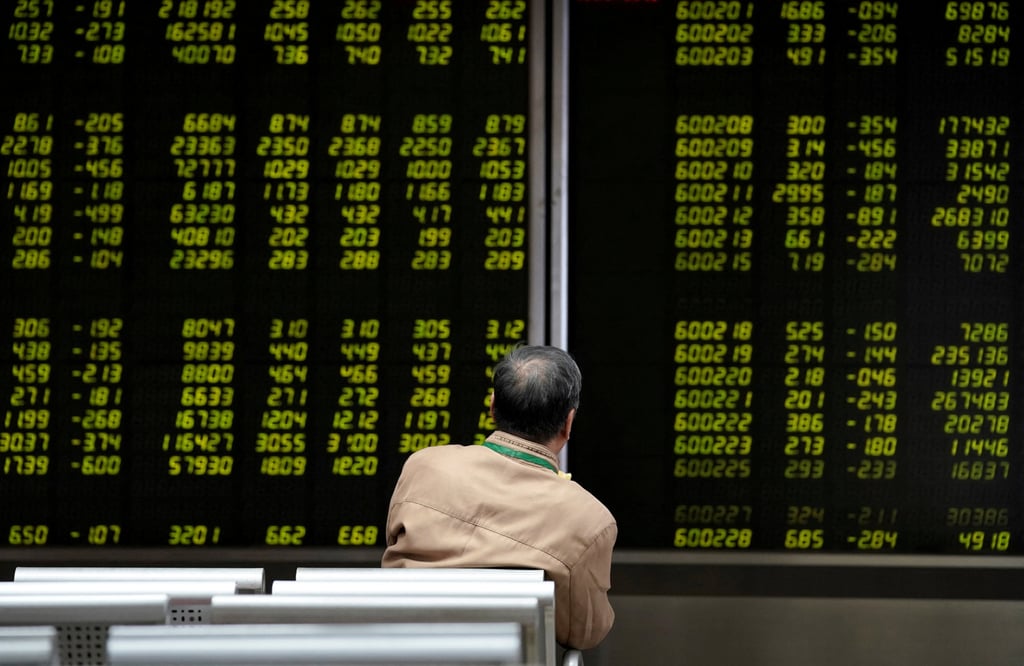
[{"x": 517, "y": 445}]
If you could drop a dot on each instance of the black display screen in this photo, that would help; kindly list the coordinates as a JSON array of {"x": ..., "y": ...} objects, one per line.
[
  {"x": 254, "y": 253},
  {"x": 795, "y": 273}
]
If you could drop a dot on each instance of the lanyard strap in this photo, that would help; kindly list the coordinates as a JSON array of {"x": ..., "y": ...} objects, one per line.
[{"x": 521, "y": 455}]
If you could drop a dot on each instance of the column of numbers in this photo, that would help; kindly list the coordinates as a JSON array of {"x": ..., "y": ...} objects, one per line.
[
  {"x": 713, "y": 427},
  {"x": 804, "y": 527},
  {"x": 981, "y": 34},
  {"x": 354, "y": 440},
  {"x": 428, "y": 173},
  {"x": 977, "y": 151},
  {"x": 25, "y": 430},
  {"x": 714, "y": 168},
  {"x": 875, "y": 143},
  {"x": 27, "y": 150},
  {"x": 285, "y": 153},
  {"x": 431, "y": 32},
  {"x": 360, "y": 31},
  {"x": 281, "y": 443},
  {"x": 977, "y": 416},
  {"x": 200, "y": 32},
  {"x": 202, "y": 442},
  {"x": 105, "y": 32},
  {"x": 713, "y": 399},
  {"x": 428, "y": 418},
  {"x": 701, "y": 40},
  {"x": 876, "y": 34},
  {"x": 805, "y": 31},
  {"x": 803, "y": 193},
  {"x": 201, "y": 223},
  {"x": 718, "y": 526},
  {"x": 504, "y": 32},
  {"x": 502, "y": 148},
  {"x": 101, "y": 147},
  {"x": 981, "y": 529},
  {"x": 803, "y": 404},
  {"x": 976, "y": 402},
  {"x": 101, "y": 396},
  {"x": 288, "y": 31},
  {"x": 874, "y": 388},
  {"x": 875, "y": 528},
  {"x": 803, "y": 401},
  {"x": 357, "y": 170},
  {"x": 32, "y": 30},
  {"x": 873, "y": 430}
]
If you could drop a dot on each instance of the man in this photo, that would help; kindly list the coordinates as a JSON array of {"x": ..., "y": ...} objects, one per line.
[{"x": 506, "y": 504}]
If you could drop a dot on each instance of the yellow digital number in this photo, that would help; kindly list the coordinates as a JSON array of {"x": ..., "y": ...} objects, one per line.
[
  {"x": 283, "y": 466},
  {"x": 102, "y": 535},
  {"x": 109, "y": 465},
  {"x": 26, "y": 465},
  {"x": 200, "y": 465},
  {"x": 805, "y": 539},
  {"x": 361, "y": 9},
  {"x": 285, "y": 535},
  {"x": 28, "y": 535},
  {"x": 193, "y": 535},
  {"x": 713, "y": 538},
  {"x": 505, "y": 260},
  {"x": 876, "y": 540},
  {"x": 357, "y": 535},
  {"x": 411, "y": 442},
  {"x": 355, "y": 466}
]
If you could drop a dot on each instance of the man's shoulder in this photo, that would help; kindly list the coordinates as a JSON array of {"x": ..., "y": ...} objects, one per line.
[
  {"x": 438, "y": 456},
  {"x": 571, "y": 499},
  {"x": 577, "y": 499},
  {"x": 429, "y": 453}
]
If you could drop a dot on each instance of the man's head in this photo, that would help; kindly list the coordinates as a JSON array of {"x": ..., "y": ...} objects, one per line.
[{"x": 536, "y": 391}]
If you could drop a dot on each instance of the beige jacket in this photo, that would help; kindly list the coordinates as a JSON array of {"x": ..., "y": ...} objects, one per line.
[{"x": 470, "y": 506}]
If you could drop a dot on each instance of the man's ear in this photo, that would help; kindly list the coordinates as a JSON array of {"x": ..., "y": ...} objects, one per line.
[{"x": 567, "y": 428}]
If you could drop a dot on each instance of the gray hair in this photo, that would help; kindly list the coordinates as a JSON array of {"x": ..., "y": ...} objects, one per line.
[{"x": 535, "y": 388}]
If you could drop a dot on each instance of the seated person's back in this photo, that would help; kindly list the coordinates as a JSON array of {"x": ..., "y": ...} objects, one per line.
[{"x": 506, "y": 504}]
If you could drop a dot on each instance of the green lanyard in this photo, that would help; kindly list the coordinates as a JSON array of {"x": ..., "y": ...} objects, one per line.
[{"x": 513, "y": 453}]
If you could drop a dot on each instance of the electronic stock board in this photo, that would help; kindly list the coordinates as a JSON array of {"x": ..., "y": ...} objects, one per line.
[
  {"x": 254, "y": 254},
  {"x": 796, "y": 283}
]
